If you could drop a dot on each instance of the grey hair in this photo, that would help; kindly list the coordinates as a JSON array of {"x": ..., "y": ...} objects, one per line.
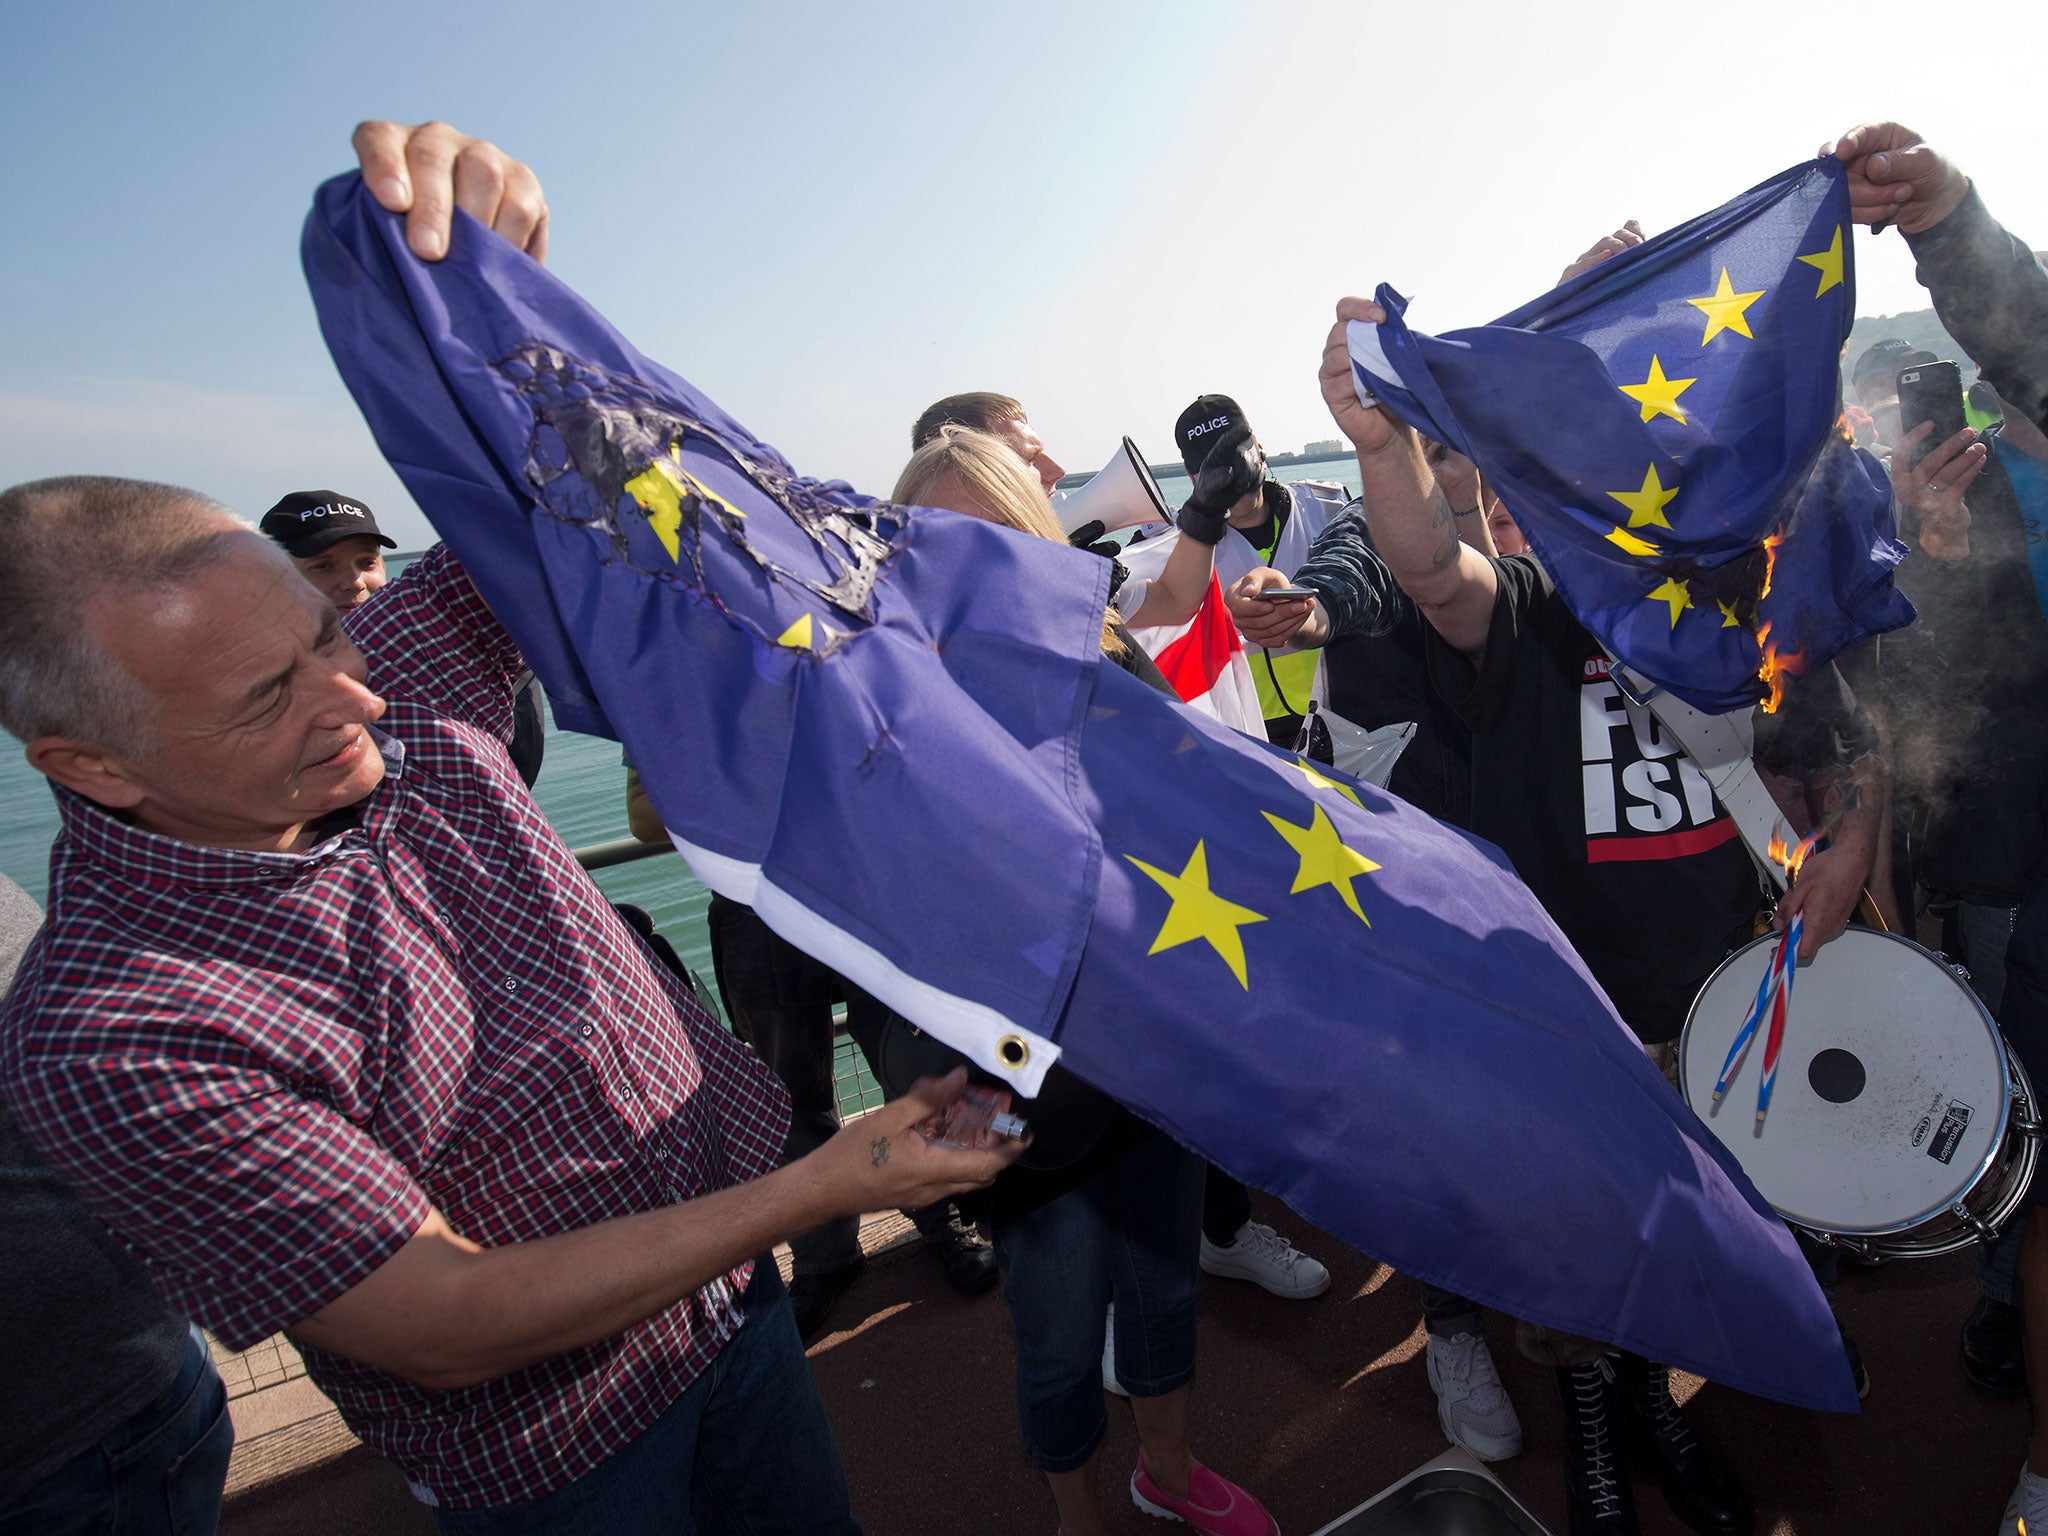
[{"x": 64, "y": 544}]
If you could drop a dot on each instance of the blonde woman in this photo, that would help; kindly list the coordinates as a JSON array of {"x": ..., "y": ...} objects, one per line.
[
  {"x": 974, "y": 472},
  {"x": 1103, "y": 1207}
]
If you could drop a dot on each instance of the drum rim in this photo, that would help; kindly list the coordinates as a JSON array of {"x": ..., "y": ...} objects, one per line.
[{"x": 1999, "y": 1047}]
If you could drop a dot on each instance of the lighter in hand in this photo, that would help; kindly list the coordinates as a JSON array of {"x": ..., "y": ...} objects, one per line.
[{"x": 979, "y": 1118}]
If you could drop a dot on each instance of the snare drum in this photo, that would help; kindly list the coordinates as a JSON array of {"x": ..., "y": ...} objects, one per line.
[{"x": 1901, "y": 1125}]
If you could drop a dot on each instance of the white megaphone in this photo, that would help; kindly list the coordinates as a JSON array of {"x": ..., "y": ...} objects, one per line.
[{"x": 1122, "y": 494}]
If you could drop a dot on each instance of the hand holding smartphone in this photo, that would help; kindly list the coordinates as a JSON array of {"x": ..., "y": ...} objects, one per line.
[{"x": 1931, "y": 392}]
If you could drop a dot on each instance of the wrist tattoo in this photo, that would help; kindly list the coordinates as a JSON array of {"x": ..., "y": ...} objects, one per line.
[{"x": 878, "y": 1151}]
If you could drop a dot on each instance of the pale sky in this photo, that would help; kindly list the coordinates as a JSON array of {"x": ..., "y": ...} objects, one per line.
[{"x": 826, "y": 216}]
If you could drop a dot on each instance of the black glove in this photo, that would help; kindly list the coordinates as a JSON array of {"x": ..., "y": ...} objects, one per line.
[
  {"x": 1089, "y": 536},
  {"x": 1233, "y": 469}
]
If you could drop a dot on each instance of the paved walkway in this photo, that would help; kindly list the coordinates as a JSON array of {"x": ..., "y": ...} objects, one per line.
[
  {"x": 287, "y": 1431},
  {"x": 282, "y": 1421},
  {"x": 1315, "y": 1405}
]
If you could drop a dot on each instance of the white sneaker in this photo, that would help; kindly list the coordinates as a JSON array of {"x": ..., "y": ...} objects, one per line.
[
  {"x": 1264, "y": 1257},
  {"x": 1109, "y": 1381},
  {"x": 1471, "y": 1403}
]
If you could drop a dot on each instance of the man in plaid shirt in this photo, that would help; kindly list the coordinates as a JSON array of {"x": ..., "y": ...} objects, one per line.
[{"x": 330, "y": 1029}]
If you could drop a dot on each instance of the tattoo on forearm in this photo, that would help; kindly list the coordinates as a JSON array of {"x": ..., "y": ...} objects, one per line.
[
  {"x": 1824, "y": 791},
  {"x": 878, "y": 1151},
  {"x": 1440, "y": 517}
]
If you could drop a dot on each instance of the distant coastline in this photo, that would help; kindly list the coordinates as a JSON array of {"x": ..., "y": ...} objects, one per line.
[
  {"x": 1920, "y": 327},
  {"x": 1315, "y": 453}
]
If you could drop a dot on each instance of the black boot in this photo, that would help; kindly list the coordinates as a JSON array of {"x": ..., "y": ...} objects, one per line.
[
  {"x": 1993, "y": 1364},
  {"x": 1595, "y": 1481},
  {"x": 969, "y": 1262},
  {"x": 1697, "y": 1482}
]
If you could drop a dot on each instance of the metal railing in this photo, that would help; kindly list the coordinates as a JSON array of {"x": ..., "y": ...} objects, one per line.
[
  {"x": 853, "y": 1084},
  {"x": 624, "y": 850}
]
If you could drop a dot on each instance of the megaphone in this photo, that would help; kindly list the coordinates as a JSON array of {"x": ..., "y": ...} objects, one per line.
[{"x": 1122, "y": 494}]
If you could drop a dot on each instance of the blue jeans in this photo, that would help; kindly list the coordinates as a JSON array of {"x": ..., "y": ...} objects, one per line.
[
  {"x": 159, "y": 1474},
  {"x": 1226, "y": 1207},
  {"x": 746, "y": 1449},
  {"x": 1979, "y": 937},
  {"x": 1133, "y": 1233},
  {"x": 1446, "y": 1314}
]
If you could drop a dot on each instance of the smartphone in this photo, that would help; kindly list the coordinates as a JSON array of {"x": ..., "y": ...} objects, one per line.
[
  {"x": 1283, "y": 594},
  {"x": 1931, "y": 392}
]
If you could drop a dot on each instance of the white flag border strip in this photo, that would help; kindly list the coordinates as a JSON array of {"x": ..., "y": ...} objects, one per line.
[
  {"x": 974, "y": 1029},
  {"x": 1368, "y": 356}
]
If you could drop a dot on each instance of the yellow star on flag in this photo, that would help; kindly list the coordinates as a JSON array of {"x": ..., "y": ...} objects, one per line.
[
  {"x": 1728, "y": 619},
  {"x": 798, "y": 636},
  {"x": 1325, "y": 860},
  {"x": 1724, "y": 309},
  {"x": 1317, "y": 781},
  {"x": 1630, "y": 543},
  {"x": 1828, "y": 263},
  {"x": 660, "y": 489},
  {"x": 1674, "y": 593},
  {"x": 1647, "y": 504},
  {"x": 1199, "y": 913},
  {"x": 1657, "y": 395}
]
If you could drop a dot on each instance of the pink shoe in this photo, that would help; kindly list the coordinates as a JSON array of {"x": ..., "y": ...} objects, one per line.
[{"x": 1215, "y": 1505}]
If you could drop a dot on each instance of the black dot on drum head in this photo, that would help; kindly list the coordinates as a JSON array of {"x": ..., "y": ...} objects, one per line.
[{"x": 1837, "y": 1076}]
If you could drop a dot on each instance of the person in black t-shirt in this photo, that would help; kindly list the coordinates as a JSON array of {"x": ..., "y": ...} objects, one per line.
[
  {"x": 1374, "y": 638},
  {"x": 1624, "y": 842}
]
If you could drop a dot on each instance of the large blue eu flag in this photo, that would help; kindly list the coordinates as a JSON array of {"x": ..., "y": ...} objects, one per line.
[
  {"x": 1665, "y": 429},
  {"x": 892, "y": 731}
]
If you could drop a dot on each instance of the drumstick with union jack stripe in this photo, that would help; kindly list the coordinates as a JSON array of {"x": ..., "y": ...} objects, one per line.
[
  {"x": 1787, "y": 967},
  {"x": 1769, "y": 991},
  {"x": 1744, "y": 1035}
]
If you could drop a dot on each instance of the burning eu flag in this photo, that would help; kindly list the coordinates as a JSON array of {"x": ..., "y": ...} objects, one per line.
[
  {"x": 891, "y": 731},
  {"x": 1664, "y": 429}
]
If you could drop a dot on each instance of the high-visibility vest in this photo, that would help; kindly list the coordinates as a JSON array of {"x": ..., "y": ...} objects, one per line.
[{"x": 1289, "y": 676}]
